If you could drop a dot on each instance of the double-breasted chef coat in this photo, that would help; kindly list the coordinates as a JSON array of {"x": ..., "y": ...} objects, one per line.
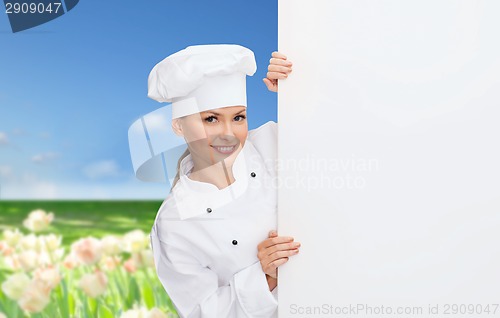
[{"x": 204, "y": 240}]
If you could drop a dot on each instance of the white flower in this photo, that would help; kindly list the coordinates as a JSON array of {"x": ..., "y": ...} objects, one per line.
[
  {"x": 144, "y": 258},
  {"x": 88, "y": 250},
  {"x": 15, "y": 285},
  {"x": 51, "y": 242},
  {"x": 50, "y": 258},
  {"x": 157, "y": 313},
  {"x": 58, "y": 254},
  {"x": 28, "y": 260},
  {"x": 2, "y": 315},
  {"x": 36, "y": 296},
  {"x": 135, "y": 241},
  {"x": 94, "y": 284},
  {"x": 142, "y": 312},
  {"x": 30, "y": 242},
  {"x": 38, "y": 220},
  {"x": 12, "y": 262},
  {"x": 111, "y": 245},
  {"x": 135, "y": 312},
  {"x": 12, "y": 237}
]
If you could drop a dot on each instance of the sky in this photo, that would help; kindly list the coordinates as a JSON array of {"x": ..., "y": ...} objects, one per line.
[{"x": 70, "y": 89}]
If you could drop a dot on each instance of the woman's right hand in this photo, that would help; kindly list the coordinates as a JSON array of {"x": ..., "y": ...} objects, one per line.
[
  {"x": 279, "y": 68},
  {"x": 274, "y": 251}
]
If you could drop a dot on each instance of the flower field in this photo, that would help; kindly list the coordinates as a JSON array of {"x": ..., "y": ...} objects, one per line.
[{"x": 79, "y": 259}]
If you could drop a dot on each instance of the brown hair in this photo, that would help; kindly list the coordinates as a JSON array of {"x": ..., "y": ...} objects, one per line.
[{"x": 177, "y": 176}]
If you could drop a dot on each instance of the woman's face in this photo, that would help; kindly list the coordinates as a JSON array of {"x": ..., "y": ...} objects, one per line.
[{"x": 214, "y": 135}]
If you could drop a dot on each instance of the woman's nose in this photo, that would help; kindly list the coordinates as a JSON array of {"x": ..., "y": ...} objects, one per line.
[{"x": 227, "y": 131}]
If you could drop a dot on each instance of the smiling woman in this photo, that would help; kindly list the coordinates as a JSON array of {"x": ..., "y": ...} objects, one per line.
[
  {"x": 213, "y": 248},
  {"x": 212, "y": 137}
]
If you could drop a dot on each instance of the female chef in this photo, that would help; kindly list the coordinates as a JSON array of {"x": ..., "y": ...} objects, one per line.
[{"x": 213, "y": 249}]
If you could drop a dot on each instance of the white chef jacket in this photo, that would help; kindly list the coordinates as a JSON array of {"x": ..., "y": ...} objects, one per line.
[{"x": 204, "y": 240}]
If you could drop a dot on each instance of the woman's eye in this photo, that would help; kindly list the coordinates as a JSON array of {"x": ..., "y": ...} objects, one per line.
[
  {"x": 211, "y": 119},
  {"x": 239, "y": 118}
]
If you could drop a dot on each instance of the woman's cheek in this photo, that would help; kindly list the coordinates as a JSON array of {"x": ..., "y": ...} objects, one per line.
[{"x": 242, "y": 136}]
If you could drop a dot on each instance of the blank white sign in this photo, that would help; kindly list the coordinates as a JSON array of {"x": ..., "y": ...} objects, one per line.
[{"x": 389, "y": 157}]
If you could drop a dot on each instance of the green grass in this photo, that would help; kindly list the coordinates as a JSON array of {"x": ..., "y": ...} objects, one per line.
[{"x": 76, "y": 219}]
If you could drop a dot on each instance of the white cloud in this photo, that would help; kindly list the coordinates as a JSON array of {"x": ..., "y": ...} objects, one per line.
[
  {"x": 52, "y": 190},
  {"x": 44, "y": 190},
  {"x": 44, "y": 157},
  {"x": 38, "y": 190},
  {"x": 19, "y": 132},
  {"x": 19, "y": 183},
  {"x": 26, "y": 186},
  {"x": 6, "y": 172},
  {"x": 102, "y": 169},
  {"x": 3, "y": 138}
]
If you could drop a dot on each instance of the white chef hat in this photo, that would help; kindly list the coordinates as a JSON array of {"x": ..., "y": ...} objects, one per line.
[
  {"x": 195, "y": 79},
  {"x": 202, "y": 77}
]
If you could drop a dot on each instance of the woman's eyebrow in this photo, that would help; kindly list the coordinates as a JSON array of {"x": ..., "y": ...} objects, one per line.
[
  {"x": 218, "y": 114},
  {"x": 214, "y": 113},
  {"x": 241, "y": 111}
]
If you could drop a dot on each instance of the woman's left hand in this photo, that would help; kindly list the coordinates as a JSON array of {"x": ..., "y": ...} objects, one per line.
[{"x": 279, "y": 68}]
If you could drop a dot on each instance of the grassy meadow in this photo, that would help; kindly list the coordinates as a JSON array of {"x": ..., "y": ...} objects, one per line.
[
  {"x": 75, "y": 219},
  {"x": 125, "y": 278}
]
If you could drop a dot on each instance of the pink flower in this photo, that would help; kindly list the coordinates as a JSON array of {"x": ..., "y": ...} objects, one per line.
[
  {"x": 87, "y": 250},
  {"x": 109, "y": 263},
  {"x": 5, "y": 249},
  {"x": 71, "y": 261},
  {"x": 130, "y": 265},
  {"x": 36, "y": 296},
  {"x": 49, "y": 275},
  {"x": 94, "y": 284}
]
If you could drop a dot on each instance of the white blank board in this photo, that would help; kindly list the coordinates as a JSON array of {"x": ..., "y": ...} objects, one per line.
[{"x": 389, "y": 158}]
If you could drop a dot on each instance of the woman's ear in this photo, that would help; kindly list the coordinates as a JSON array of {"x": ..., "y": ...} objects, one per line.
[{"x": 177, "y": 127}]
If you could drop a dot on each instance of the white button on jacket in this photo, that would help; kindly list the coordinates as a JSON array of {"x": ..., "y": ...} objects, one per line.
[{"x": 204, "y": 240}]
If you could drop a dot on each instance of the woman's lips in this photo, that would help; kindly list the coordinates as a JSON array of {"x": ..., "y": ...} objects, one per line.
[{"x": 225, "y": 149}]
